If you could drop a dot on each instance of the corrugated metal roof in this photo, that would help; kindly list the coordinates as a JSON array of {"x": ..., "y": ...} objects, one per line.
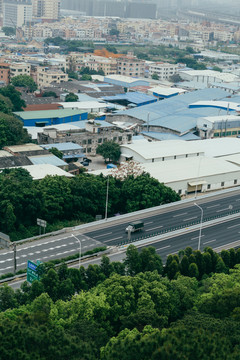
[
  {"x": 63, "y": 146},
  {"x": 188, "y": 169},
  {"x": 40, "y": 171},
  {"x": 47, "y": 159},
  {"x": 45, "y": 114},
  {"x": 169, "y": 136},
  {"x": 174, "y": 113},
  {"x": 132, "y": 97},
  {"x": 160, "y": 149}
]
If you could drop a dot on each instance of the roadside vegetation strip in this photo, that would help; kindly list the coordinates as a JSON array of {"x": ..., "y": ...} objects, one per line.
[{"x": 53, "y": 263}]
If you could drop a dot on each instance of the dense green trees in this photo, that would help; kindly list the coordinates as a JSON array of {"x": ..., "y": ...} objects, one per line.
[
  {"x": 102, "y": 313},
  {"x": 61, "y": 199},
  {"x": 109, "y": 150},
  {"x": 25, "y": 81},
  {"x": 12, "y": 94},
  {"x": 115, "y": 311},
  {"x": 71, "y": 97},
  {"x": 12, "y": 131}
]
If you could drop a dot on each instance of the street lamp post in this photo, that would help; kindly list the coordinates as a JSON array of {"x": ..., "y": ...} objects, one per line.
[
  {"x": 106, "y": 207},
  {"x": 80, "y": 249},
  {"x": 200, "y": 230}
]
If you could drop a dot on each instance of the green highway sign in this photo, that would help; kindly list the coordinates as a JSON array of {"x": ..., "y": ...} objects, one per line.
[{"x": 32, "y": 273}]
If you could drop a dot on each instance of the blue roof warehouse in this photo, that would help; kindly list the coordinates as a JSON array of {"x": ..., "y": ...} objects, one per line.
[{"x": 50, "y": 117}]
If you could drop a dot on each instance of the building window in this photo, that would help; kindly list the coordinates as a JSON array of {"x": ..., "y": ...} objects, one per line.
[
  {"x": 152, "y": 160},
  {"x": 120, "y": 138},
  {"x": 84, "y": 142},
  {"x": 89, "y": 150},
  {"x": 222, "y": 183},
  {"x": 209, "y": 186},
  {"x": 115, "y": 138},
  {"x": 179, "y": 192},
  {"x": 89, "y": 141},
  {"x": 175, "y": 157},
  {"x": 186, "y": 155},
  {"x": 99, "y": 140},
  {"x": 235, "y": 182},
  {"x": 163, "y": 159}
]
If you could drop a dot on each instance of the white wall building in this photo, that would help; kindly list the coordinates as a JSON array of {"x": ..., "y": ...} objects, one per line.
[
  {"x": 16, "y": 13},
  {"x": 163, "y": 70},
  {"x": 159, "y": 151}
]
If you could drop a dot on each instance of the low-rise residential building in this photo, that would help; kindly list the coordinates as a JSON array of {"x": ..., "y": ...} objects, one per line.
[
  {"x": 163, "y": 70},
  {"x": 17, "y": 68},
  {"x": 46, "y": 77},
  {"x": 92, "y": 134},
  {"x": 5, "y": 72},
  {"x": 130, "y": 66}
]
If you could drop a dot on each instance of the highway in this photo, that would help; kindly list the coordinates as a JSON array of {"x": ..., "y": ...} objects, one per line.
[
  {"x": 225, "y": 234},
  {"x": 178, "y": 215},
  {"x": 45, "y": 250},
  {"x": 115, "y": 235}
]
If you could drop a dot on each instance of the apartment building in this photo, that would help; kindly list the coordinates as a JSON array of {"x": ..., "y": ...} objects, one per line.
[
  {"x": 19, "y": 69},
  {"x": 163, "y": 70},
  {"x": 16, "y": 13},
  {"x": 46, "y": 9},
  {"x": 130, "y": 66},
  {"x": 46, "y": 76}
]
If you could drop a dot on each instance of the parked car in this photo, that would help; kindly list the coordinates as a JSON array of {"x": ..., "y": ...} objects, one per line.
[
  {"x": 85, "y": 163},
  {"x": 88, "y": 160}
]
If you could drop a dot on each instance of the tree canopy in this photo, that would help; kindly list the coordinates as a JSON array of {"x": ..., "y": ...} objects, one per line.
[
  {"x": 71, "y": 97},
  {"x": 60, "y": 200},
  {"x": 25, "y": 81},
  {"x": 109, "y": 150},
  {"x": 117, "y": 310},
  {"x": 11, "y": 130},
  {"x": 10, "y": 92}
]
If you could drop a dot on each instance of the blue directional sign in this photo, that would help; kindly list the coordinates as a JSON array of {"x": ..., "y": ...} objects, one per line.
[{"x": 32, "y": 273}]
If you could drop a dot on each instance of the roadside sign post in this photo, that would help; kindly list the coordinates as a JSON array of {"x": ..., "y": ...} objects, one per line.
[
  {"x": 42, "y": 224},
  {"x": 32, "y": 273},
  {"x": 129, "y": 228},
  {"x": 14, "y": 258}
]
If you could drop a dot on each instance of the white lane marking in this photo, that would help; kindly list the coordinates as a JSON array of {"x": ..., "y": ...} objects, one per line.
[
  {"x": 209, "y": 207},
  {"x": 165, "y": 247},
  {"x": 180, "y": 214},
  {"x": 207, "y": 242},
  {"x": 233, "y": 226},
  {"x": 175, "y": 252},
  {"x": 194, "y": 217},
  {"x": 3, "y": 261},
  {"x": 103, "y": 235},
  {"x": 157, "y": 227},
  {"x": 150, "y": 222},
  {"x": 223, "y": 209},
  {"x": 120, "y": 237},
  {"x": 197, "y": 237}
]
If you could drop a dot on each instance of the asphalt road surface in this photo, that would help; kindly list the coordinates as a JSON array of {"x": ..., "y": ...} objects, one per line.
[
  {"x": 115, "y": 234},
  {"x": 111, "y": 235}
]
